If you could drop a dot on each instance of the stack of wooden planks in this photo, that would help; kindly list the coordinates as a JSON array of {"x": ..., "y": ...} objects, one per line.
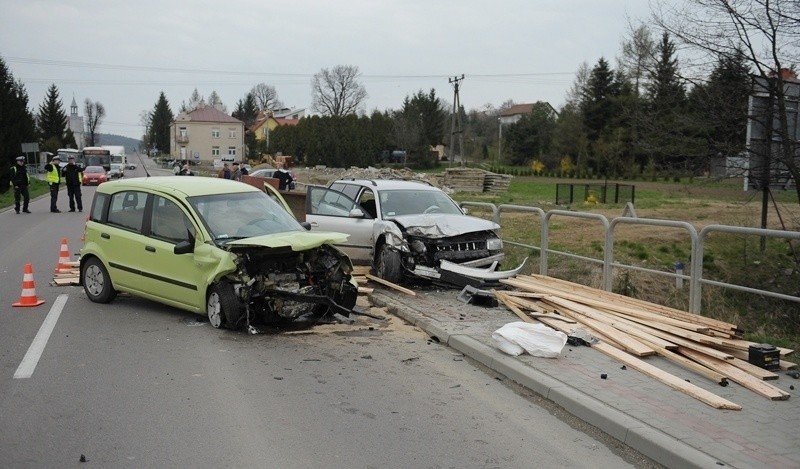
[
  {"x": 475, "y": 180},
  {"x": 629, "y": 328},
  {"x": 68, "y": 277}
]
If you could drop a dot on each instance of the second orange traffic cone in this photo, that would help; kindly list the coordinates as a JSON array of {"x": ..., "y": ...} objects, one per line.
[
  {"x": 63, "y": 258},
  {"x": 28, "y": 297}
]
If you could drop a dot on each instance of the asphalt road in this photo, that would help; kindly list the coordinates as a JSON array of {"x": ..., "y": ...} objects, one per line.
[{"x": 137, "y": 384}]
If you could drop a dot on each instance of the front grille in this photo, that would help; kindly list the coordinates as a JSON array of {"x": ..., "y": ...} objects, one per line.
[{"x": 456, "y": 249}]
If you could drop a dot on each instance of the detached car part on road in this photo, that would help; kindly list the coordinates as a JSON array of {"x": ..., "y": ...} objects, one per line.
[
  {"x": 407, "y": 229},
  {"x": 212, "y": 246}
]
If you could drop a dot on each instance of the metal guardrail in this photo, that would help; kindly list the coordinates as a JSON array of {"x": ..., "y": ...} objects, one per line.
[{"x": 695, "y": 276}]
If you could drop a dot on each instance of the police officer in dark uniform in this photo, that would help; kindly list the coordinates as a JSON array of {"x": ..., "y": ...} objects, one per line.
[
  {"x": 73, "y": 178},
  {"x": 20, "y": 180}
]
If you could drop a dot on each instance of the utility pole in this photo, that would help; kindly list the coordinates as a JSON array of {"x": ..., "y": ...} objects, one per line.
[{"x": 456, "y": 128}]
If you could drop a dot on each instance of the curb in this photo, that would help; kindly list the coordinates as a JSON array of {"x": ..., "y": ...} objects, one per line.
[{"x": 648, "y": 440}]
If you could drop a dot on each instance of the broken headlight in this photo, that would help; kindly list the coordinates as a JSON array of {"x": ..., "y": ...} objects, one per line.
[{"x": 494, "y": 244}]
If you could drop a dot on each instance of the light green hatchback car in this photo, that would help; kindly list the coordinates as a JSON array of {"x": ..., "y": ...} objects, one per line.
[{"x": 212, "y": 246}]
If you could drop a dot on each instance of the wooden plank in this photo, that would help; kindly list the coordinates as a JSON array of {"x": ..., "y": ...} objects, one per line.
[
  {"x": 754, "y": 370},
  {"x": 787, "y": 365},
  {"x": 66, "y": 281},
  {"x": 391, "y": 285},
  {"x": 736, "y": 375},
  {"x": 739, "y": 344},
  {"x": 510, "y": 305},
  {"x": 672, "y": 381},
  {"x": 365, "y": 290},
  {"x": 540, "y": 311},
  {"x": 585, "y": 315},
  {"x": 621, "y": 299},
  {"x": 599, "y": 303},
  {"x": 681, "y": 341},
  {"x": 718, "y": 378}
]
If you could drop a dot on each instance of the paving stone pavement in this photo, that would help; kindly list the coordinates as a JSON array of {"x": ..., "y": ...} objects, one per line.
[{"x": 664, "y": 424}]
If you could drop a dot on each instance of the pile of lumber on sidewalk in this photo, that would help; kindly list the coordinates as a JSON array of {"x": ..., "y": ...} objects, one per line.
[{"x": 629, "y": 328}]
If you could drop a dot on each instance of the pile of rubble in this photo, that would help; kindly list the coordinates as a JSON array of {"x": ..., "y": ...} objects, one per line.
[{"x": 452, "y": 180}]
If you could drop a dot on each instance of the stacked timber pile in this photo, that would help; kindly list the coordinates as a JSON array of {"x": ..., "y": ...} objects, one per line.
[
  {"x": 629, "y": 328},
  {"x": 464, "y": 179},
  {"x": 475, "y": 180},
  {"x": 495, "y": 183}
]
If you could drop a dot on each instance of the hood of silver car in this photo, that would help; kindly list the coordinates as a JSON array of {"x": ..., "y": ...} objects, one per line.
[{"x": 438, "y": 225}]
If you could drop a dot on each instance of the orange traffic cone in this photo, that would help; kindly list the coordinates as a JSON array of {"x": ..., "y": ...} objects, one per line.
[
  {"x": 28, "y": 297},
  {"x": 64, "y": 263}
]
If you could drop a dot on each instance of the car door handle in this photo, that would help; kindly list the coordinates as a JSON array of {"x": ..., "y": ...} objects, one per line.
[
  {"x": 105, "y": 235},
  {"x": 150, "y": 249},
  {"x": 313, "y": 223}
]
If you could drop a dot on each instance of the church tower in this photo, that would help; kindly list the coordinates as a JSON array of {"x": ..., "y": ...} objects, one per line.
[{"x": 76, "y": 125}]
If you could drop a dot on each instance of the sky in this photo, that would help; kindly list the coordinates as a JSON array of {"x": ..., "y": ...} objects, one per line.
[{"x": 124, "y": 53}]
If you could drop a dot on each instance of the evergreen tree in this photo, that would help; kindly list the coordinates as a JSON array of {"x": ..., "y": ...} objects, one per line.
[
  {"x": 160, "y": 120},
  {"x": 665, "y": 88},
  {"x": 530, "y": 137},
  {"x": 420, "y": 124},
  {"x": 52, "y": 120},
  {"x": 666, "y": 133},
  {"x": 246, "y": 110},
  {"x": 597, "y": 105},
  {"x": 17, "y": 125},
  {"x": 721, "y": 106}
]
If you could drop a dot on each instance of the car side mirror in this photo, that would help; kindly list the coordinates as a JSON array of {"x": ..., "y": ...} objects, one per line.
[
  {"x": 306, "y": 225},
  {"x": 356, "y": 213},
  {"x": 465, "y": 210},
  {"x": 184, "y": 247}
]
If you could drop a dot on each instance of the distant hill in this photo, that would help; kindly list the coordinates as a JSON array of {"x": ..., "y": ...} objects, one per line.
[{"x": 129, "y": 143}]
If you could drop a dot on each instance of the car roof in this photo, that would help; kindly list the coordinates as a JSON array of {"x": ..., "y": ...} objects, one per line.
[
  {"x": 189, "y": 186},
  {"x": 389, "y": 184}
]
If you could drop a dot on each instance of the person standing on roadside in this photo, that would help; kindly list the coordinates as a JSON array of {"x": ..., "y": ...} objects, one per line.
[
  {"x": 236, "y": 174},
  {"x": 73, "y": 178},
  {"x": 20, "y": 180},
  {"x": 225, "y": 172},
  {"x": 53, "y": 178}
]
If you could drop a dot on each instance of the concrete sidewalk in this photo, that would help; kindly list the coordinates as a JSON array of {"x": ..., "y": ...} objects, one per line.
[{"x": 662, "y": 423}]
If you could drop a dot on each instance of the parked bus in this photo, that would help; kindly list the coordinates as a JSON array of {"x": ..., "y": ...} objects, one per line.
[
  {"x": 64, "y": 154},
  {"x": 95, "y": 156}
]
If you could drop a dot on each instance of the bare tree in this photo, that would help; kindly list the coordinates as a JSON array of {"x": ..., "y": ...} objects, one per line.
[
  {"x": 215, "y": 101},
  {"x": 195, "y": 100},
  {"x": 266, "y": 97},
  {"x": 637, "y": 56},
  {"x": 94, "y": 112},
  {"x": 768, "y": 32},
  {"x": 337, "y": 92}
]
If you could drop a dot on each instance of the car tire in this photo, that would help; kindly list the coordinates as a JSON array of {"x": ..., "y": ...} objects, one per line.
[
  {"x": 223, "y": 307},
  {"x": 389, "y": 265},
  {"x": 96, "y": 281}
]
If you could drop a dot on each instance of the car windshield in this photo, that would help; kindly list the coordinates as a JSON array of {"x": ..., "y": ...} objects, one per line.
[
  {"x": 242, "y": 215},
  {"x": 412, "y": 202},
  {"x": 94, "y": 169}
]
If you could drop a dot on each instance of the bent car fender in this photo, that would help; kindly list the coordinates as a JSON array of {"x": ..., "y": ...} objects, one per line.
[
  {"x": 216, "y": 262},
  {"x": 391, "y": 232}
]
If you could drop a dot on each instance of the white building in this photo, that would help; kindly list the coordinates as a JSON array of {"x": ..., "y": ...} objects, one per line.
[{"x": 76, "y": 125}]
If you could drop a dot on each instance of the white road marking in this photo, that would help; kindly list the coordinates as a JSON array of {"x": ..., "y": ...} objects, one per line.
[{"x": 34, "y": 353}]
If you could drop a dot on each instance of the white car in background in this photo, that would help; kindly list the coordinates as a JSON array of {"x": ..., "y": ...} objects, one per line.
[{"x": 406, "y": 229}]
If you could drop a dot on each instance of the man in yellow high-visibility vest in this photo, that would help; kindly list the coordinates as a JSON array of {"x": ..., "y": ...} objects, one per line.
[{"x": 53, "y": 178}]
